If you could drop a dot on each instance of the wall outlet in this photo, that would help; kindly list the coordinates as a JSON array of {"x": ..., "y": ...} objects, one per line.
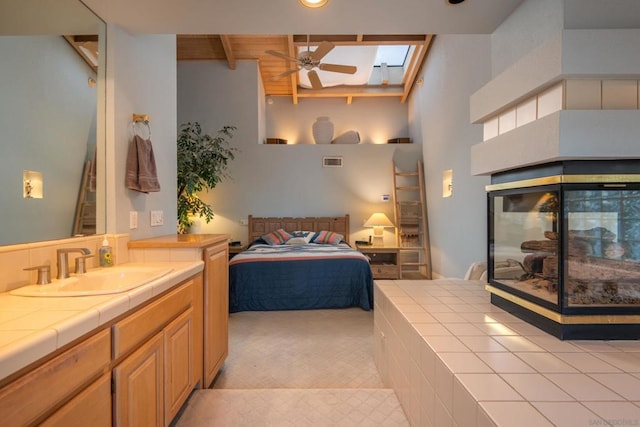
[
  {"x": 157, "y": 218},
  {"x": 133, "y": 219},
  {"x": 385, "y": 198},
  {"x": 244, "y": 221}
]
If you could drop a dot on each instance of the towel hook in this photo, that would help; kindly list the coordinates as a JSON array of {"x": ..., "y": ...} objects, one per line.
[{"x": 141, "y": 118}]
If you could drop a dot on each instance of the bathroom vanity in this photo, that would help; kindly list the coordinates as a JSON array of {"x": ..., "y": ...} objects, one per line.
[
  {"x": 131, "y": 358},
  {"x": 126, "y": 358}
]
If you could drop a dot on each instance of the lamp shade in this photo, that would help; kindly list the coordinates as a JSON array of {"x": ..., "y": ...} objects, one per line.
[{"x": 378, "y": 219}]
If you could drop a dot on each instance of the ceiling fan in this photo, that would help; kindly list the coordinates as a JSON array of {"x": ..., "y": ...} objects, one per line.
[{"x": 310, "y": 60}]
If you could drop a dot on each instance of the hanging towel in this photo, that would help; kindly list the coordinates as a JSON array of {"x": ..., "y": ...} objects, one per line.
[{"x": 141, "y": 172}]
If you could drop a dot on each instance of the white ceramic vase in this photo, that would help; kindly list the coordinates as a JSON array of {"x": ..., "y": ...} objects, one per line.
[{"x": 322, "y": 130}]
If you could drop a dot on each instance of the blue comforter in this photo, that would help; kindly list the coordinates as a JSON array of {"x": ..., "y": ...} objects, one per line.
[{"x": 298, "y": 277}]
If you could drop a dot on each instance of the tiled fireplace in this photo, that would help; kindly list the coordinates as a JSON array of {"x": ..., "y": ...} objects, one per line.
[{"x": 564, "y": 247}]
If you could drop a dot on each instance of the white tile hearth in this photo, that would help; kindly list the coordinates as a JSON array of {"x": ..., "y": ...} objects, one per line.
[{"x": 486, "y": 368}]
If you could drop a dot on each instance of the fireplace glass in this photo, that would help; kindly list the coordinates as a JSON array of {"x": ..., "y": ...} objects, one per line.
[
  {"x": 603, "y": 247},
  {"x": 524, "y": 243},
  {"x": 573, "y": 248}
]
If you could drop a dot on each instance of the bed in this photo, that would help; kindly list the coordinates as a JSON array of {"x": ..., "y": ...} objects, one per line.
[{"x": 302, "y": 275}]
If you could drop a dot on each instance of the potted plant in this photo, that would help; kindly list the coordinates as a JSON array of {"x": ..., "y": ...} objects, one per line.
[{"x": 202, "y": 164}]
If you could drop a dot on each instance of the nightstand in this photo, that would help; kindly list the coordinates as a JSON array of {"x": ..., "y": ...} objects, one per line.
[
  {"x": 235, "y": 250},
  {"x": 383, "y": 260}
]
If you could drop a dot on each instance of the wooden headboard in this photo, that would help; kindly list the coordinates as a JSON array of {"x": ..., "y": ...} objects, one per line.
[{"x": 259, "y": 226}]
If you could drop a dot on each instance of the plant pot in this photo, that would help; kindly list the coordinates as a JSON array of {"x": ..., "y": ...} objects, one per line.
[{"x": 196, "y": 225}]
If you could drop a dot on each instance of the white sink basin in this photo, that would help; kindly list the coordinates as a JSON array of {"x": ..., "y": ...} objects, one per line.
[{"x": 103, "y": 281}]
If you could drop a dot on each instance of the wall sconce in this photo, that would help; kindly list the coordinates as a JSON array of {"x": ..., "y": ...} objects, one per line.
[
  {"x": 447, "y": 183},
  {"x": 32, "y": 185},
  {"x": 314, "y": 3},
  {"x": 378, "y": 221}
]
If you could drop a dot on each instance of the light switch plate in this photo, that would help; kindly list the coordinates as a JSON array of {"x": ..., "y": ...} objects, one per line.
[
  {"x": 157, "y": 218},
  {"x": 133, "y": 219}
]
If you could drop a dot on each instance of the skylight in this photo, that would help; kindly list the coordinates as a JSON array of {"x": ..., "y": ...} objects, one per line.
[{"x": 394, "y": 56}]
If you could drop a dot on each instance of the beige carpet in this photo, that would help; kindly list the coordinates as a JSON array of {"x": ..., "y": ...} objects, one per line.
[{"x": 297, "y": 368}]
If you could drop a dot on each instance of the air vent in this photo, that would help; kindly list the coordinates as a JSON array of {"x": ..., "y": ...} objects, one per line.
[{"x": 332, "y": 162}]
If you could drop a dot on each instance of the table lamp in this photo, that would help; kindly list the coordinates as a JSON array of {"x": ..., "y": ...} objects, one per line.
[{"x": 378, "y": 221}]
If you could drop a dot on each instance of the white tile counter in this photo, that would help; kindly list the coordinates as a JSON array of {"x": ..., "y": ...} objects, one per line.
[
  {"x": 454, "y": 359},
  {"x": 33, "y": 327}
]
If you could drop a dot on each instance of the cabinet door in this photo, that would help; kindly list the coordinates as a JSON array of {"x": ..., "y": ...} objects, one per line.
[
  {"x": 33, "y": 395},
  {"x": 139, "y": 387},
  {"x": 216, "y": 310},
  {"x": 178, "y": 373},
  {"x": 92, "y": 407}
]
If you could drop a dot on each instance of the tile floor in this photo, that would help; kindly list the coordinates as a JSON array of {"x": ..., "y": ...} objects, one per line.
[
  {"x": 297, "y": 368},
  {"x": 472, "y": 364}
]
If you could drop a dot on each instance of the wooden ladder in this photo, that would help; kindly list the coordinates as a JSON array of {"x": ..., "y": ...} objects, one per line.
[
  {"x": 410, "y": 218},
  {"x": 84, "y": 222}
]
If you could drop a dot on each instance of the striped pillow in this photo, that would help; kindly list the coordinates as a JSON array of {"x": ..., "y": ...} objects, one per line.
[
  {"x": 328, "y": 238},
  {"x": 277, "y": 237}
]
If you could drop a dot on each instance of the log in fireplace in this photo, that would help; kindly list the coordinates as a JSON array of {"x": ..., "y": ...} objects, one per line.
[{"x": 564, "y": 247}]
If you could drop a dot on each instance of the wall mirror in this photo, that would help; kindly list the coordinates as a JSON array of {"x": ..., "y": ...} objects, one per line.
[{"x": 52, "y": 95}]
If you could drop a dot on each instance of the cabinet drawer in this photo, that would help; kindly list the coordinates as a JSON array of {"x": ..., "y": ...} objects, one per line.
[
  {"x": 92, "y": 407},
  {"x": 30, "y": 397},
  {"x": 135, "y": 329},
  {"x": 382, "y": 271}
]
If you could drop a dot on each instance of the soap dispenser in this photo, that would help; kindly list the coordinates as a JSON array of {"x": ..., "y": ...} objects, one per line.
[{"x": 105, "y": 254}]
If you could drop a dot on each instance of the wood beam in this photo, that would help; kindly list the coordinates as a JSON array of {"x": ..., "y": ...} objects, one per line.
[
  {"x": 361, "y": 39},
  {"x": 416, "y": 65},
  {"x": 228, "y": 51},
  {"x": 353, "y": 92},
  {"x": 294, "y": 76},
  {"x": 91, "y": 62}
]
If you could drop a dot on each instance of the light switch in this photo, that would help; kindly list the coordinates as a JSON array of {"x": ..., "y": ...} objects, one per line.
[
  {"x": 133, "y": 219},
  {"x": 157, "y": 218}
]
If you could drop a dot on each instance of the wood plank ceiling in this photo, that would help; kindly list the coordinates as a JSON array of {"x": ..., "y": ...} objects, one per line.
[{"x": 232, "y": 48}]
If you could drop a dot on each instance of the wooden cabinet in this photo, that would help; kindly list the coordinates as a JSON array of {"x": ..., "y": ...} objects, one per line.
[
  {"x": 153, "y": 355},
  {"x": 216, "y": 309},
  {"x": 138, "y": 386},
  {"x": 383, "y": 260},
  {"x": 211, "y": 319},
  {"x": 92, "y": 407},
  {"x": 178, "y": 364},
  {"x": 152, "y": 383},
  {"x": 33, "y": 396}
]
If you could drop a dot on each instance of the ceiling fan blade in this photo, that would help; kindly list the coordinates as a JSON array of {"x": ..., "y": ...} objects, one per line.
[
  {"x": 314, "y": 79},
  {"x": 281, "y": 55},
  {"x": 346, "y": 69},
  {"x": 286, "y": 73},
  {"x": 321, "y": 51}
]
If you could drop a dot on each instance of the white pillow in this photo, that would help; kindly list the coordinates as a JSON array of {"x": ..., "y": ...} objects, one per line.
[{"x": 296, "y": 241}]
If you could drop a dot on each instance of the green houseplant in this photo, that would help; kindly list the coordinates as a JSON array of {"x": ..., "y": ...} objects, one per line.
[{"x": 202, "y": 164}]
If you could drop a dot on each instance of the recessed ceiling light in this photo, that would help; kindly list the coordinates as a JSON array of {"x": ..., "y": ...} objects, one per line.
[
  {"x": 314, "y": 3},
  {"x": 455, "y": 1}
]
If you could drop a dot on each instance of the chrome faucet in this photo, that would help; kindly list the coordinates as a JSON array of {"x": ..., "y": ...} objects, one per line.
[{"x": 63, "y": 260}]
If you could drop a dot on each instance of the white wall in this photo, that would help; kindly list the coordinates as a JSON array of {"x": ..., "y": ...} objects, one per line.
[
  {"x": 457, "y": 66},
  {"x": 281, "y": 180},
  {"x": 531, "y": 25},
  {"x": 47, "y": 124},
  {"x": 144, "y": 68},
  {"x": 375, "y": 119}
]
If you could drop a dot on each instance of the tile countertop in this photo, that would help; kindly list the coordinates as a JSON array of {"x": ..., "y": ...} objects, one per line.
[
  {"x": 180, "y": 241},
  {"x": 33, "y": 327}
]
